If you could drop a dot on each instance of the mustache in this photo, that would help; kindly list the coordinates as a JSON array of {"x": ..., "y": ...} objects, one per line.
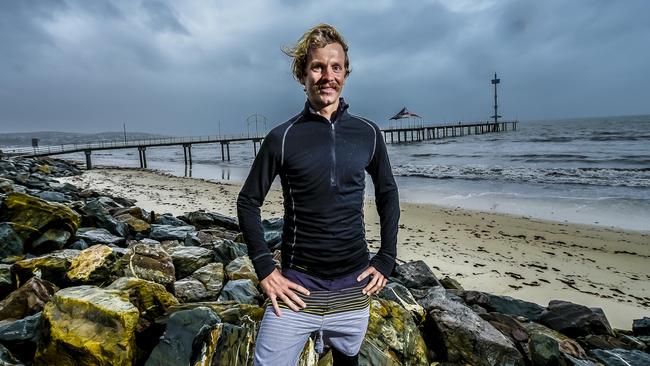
[{"x": 327, "y": 84}]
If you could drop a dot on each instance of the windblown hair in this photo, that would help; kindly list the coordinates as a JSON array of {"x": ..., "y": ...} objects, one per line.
[{"x": 317, "y": 37}]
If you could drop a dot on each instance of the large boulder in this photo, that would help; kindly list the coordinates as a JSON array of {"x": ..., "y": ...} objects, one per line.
[
  {"x": 392, "y": 337},
  {"x": 169, "y": 232},
  {"x": 189, "y": 259},
  {"x": 88, "y": 326},
  {"x": 502, "y": 304},
  {"x": 242, "y": 291},
  {"x": 511, "y": 328},
  {"x": 97, "y": 215},
  {"x": 28, "y": 299},
  {"x": 148, "y": 262},
  {"x": 51, "y": 267},
  {"x": 397, "y": 293},
  {"x": 241, "y": 267},
  {"x": 575, "y": 320},
  {"x": 226, "y": 344},
  {"x": 183, "y": 327},
  {"x": 33, "y": 216},
  {"x": 460, "y": 335},
  {"x": 98, "y": 236},
  {"x": 94, "y": 265},
  {"x": 415, "y": 275}
]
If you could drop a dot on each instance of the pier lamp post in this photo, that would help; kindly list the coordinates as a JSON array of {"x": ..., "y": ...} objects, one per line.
[{"x": 496, "y": 81}]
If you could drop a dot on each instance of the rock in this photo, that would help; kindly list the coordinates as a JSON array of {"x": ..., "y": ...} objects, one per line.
[
  {"x": 548, "y": 347},
  {"x": 27, "y": 300},
  {"x": 212, "y": 277},
  {"x": 241, "y": 267},
  {"x": 225, "y": 344},
  {"x": 621, "y": 357},
  {"x": 189, "y": 259},
  {"x": 32, "y": 216},
  {"x": 6, "y": 358},
  {"x": 392, "y": 337},
  {"x": 451, "y": 284},
  {"x": 169, "y": 220},
  {"x": 95, "y": 214},
  {"x": 88, "y": 326},
  {"x": 10, "y": 242},
  {"x": 242, "y": 291},
  {"x": 6, "y": 284},
  {"x": 575, "y": 320},
  {"x": 415, "y": 274},
  {"x": 168, "y": 232},
  {"x": 190, "y": 289},
  {"x": 511, "y": 328},
  {"x": 460, "y": 335},
  {"x": 148, "y": 262},
  {"x": 80, "y": 244},
  {"x": 228, "y": 250},
  {"x": 401, "y": 295},
  {"x": 183, "y": 327},
  {"x": 6, "y": 185},
  {"x": 205, "y": 220},
  {"x": 151, "y": 299},
  {"x": 53, "y": 196},
  {"x": 98, "y": 236},
  {"x": 134, "y": 211},
  {"x": 273, "y": 232},
  {"x": 136, "y": 225},
  {"x": 502, "y": 304},
  {"x": 601, "y": 341},
  {"x": 95, "y": 265},
  {"x": 51, "y": 240},
  {"x": 51, "y": 267},
  {"x": 22, "y": 335},
  {"x": 641, "y": 327}
]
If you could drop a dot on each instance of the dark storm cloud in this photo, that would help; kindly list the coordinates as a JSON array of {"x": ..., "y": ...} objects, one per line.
[{"x": 182, "y": 67}]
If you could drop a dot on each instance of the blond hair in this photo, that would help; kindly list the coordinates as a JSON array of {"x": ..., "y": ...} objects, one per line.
[{"x": 317, "y": 37}]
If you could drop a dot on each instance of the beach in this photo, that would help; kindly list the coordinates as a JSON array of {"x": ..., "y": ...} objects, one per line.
[{"x": 530, "y": 259}]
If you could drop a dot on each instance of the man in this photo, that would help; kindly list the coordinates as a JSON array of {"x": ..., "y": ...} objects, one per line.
[{"x": 321, "y": 155}]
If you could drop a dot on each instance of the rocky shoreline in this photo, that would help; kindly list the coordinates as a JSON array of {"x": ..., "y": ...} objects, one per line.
[{"x": 88, "y": 278}]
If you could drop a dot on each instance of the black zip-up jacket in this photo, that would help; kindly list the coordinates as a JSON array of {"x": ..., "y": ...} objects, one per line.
[{"x": 321, "y": 167}]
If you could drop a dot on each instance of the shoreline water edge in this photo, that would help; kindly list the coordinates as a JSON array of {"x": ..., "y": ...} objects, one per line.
[{"x": 531, "y": 259}]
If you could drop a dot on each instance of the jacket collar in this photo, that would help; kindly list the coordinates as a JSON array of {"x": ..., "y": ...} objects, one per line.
[{"x": 342, "y": 111}]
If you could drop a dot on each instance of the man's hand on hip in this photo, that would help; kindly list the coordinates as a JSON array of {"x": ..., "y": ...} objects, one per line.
[
  {"x": 377, "y": 282},
  {"x": 276, "y": 286}
]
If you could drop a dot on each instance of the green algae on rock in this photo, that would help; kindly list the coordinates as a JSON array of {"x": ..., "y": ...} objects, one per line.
[
  {"x": 87, "y": 325},
  {"x": 94, "y": 265}
]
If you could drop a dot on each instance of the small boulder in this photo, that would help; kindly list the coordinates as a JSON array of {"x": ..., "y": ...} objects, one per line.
[
  {"x": 227, "y": 250},
  {"x": 415, "y": 274},
  {"x": 241, "y": 267},
  {"x": 242, "y": 291},
  {"x": 189, "y": 259},
  {"x": 148, "y": 262},
  {"x": 190, "y": 289},
  {"x": 401, "y": 295},
  {"x": 99, "y": 236},
  {"x": 97, "y": 215},
  {"x": 51, "y": 240},
  {"x": 6, "y": 284},
  {"x": 7, "y": 359},
  {"x": 88, "y": 326},
  {"x": 548, "y": 347},
  {"x": 136, "y": 225},
  {"x": 53, "y": 196},
  {"x": 94, "y": 265},
  {"x": 168, "y": 232},
  {"x": 205, "y": 220},
  {"x": 641, "y": 327},
  {"x": 51, "y": 267},
  {"x": 28, "y": 299},
  {"x": 183, "y": 327},
  {"x": 227, "y": 344},
  {"x": 451, "y": 284},
  {"x": 502, "y": 304},
  {"x": 10, "y": 242},
  {"x": 621, "y": 357},
  {"x": 169, "y": 220},
  {"x": 22, "y": 335},
  {"x": 575, "y": 320},
  {"x": 212, "y": 277}
]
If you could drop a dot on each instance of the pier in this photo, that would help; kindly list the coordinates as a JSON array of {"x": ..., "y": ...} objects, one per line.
[{"x": 391, "y": 135}]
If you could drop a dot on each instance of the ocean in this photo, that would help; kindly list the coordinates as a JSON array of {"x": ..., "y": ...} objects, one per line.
[{"x": 588, "y": 170}]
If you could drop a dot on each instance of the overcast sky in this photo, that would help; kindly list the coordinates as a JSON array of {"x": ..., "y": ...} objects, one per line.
[{"x": 180, "y": 67}]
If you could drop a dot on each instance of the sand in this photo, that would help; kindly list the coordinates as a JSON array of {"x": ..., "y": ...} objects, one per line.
[{"x": 529, "y": 259}]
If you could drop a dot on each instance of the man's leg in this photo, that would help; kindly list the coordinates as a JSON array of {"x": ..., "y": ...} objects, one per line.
[
  {"x": 345, "y": 332},
  {"x": 280, "y": 340}
]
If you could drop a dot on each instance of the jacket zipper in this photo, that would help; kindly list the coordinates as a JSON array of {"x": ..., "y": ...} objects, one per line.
[{"x": 333, "y": 152}]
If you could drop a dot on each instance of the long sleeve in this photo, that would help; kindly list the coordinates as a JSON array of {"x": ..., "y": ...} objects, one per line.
[
  {"x": 387, "y": 201},
  {"x": 250, "y": 199}
]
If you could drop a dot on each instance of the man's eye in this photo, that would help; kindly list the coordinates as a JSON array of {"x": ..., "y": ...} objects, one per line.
[
  {"x": 317, "y": 68},
  {"x": 337, "y": 68}
]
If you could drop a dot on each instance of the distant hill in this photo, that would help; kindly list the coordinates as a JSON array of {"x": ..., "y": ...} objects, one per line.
[{"x": 47, "y": 138}]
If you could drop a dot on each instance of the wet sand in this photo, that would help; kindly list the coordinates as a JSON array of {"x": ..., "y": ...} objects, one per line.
[{"x": 530, "y": 259}]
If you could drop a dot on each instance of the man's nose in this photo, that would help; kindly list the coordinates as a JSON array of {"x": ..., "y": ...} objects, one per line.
[{"x": 328, "y": 73}]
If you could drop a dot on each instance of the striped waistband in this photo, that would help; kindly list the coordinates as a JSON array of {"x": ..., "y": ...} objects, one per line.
[{"x": 331, "y": 302}]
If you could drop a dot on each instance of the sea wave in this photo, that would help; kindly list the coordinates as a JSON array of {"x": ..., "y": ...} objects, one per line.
[{"x": 607, "y": 177}]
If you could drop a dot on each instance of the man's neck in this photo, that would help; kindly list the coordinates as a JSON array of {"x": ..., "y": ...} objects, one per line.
[{"x": 328, "y": 111}]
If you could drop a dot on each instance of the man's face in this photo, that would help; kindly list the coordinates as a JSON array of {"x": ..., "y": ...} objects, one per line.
[{"x": 325, "y": 75}]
